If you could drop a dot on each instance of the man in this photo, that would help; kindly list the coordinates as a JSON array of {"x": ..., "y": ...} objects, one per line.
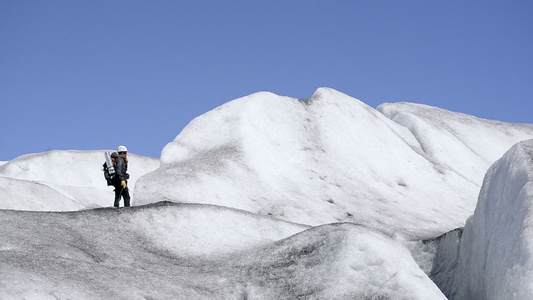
[{"x": 121, "y": 178}]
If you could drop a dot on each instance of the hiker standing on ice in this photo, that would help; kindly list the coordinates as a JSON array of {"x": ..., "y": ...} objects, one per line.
[{"x": 121, "y": 178}]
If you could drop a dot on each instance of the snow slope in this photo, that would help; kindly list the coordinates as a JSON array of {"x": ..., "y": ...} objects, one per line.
[
  {"x": 117, "y": 254},
  {"x": 331, "y": 158},
  {"x": 459, "y": 142},
  {"x": 62, "y": 180}
]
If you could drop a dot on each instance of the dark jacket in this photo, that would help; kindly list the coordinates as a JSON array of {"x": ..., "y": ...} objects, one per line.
[{"x": 121, "y": 169}]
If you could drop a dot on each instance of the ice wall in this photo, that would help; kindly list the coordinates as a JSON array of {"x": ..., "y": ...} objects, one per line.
[
  {"x": 491, "y": 257},
  {"x": 495, "y": 259}
]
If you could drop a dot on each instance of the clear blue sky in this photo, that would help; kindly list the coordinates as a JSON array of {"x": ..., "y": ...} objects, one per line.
[{"x": 89, "y": 75}]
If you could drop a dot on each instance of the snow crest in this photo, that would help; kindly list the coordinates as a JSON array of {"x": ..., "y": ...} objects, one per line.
[{"x": 329, "y": 158}]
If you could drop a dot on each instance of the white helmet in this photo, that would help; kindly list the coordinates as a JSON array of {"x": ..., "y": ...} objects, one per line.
[{"x": 122, "y": 149}]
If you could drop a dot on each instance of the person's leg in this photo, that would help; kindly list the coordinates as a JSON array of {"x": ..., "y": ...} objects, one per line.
[
  {"x": 117, "y": 196},
  {"x": 126, "y": 196}
]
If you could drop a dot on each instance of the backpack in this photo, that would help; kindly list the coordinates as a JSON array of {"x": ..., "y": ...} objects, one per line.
[{"x": 109, "y": 167}]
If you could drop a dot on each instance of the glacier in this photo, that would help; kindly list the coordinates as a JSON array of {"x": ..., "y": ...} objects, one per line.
[{"x": 273, "y": 197}]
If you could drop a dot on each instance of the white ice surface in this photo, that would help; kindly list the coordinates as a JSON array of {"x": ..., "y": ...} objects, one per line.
[{"x": 154, "y": 253}]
